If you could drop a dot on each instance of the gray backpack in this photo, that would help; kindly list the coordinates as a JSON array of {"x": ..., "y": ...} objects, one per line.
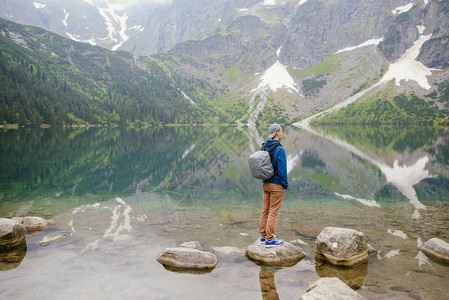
[{"x": 260, "y": 163}]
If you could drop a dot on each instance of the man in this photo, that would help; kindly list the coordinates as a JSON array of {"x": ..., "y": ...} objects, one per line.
[{"x": 273, "y": 189}]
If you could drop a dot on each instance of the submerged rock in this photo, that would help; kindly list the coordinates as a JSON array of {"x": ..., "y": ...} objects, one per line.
[
  {"x": 330, "y": 288},
  {"x": 436, "y": 249},
  {"x": 46, "y": 241},
  {"x": 342, "y": 246},
  {"x": 284, "y": 255},
  {"x": 182, "y": 258},
  {"x": 34, "y": 223},
  {"x": 192, "y": 245},
  {"x": 12, "y": 234},
  {"x": 230, "y": 252},
  {"x": 308, "y": 230}
]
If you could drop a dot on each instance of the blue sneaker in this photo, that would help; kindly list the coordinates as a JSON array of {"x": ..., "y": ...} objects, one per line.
[
  {"x": 273, "y": 243},
  {"x": 262, "y": 239}
]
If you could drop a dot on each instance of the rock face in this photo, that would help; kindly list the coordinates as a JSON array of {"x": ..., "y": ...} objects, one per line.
[
  {"x": 320, "y": 28},
  {"x": 330, "y": 289},
  {"x": 436, "y": 249},
  {"x": 34, "y": 223},
  {"x": 342, "y": 246},
  {"x": 285, "y": 255},
  {"x": 11, "y": 234},
  {"x": 403, "y": 32},
  {"x": 182, "y": 258}
]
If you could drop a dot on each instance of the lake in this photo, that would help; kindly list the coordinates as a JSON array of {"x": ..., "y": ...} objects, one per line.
[{"x": 121, "y": 195}]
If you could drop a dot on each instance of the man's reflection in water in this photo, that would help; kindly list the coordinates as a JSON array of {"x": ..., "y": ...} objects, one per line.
[{"x": 267, "y": 285}]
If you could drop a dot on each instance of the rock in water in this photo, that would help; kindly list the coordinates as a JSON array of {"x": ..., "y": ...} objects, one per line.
[
  {"x": 330, "y": 288},
  {"x": 231, "y": 253},
  {"x": 437, "y": 249},
  {"x": 50, "y": 240},
  {"x": 11, "y": 234},
  {"x": 34, "y": 223},
  {"x": 284, "y": 255},
  {"x": 342, "y": 246},
  {"x": 192, "y": 244},
  {"x": 182, "y": 258}
]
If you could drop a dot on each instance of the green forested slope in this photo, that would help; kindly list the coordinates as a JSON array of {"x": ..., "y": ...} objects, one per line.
[
  {"x": 382, "y": 110},
  {"x": 47, "y": 79}
]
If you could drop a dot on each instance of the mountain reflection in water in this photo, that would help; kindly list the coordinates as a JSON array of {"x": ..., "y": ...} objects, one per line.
[{"x": 122, "y": 195}]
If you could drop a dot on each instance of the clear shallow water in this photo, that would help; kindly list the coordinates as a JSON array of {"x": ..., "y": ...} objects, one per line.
[{"x": 121, "y": 196}]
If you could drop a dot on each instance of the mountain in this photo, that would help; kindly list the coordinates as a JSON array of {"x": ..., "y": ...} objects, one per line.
[
  {"x": 47, "y": 79},
  {"x": 275, "y": 60}
]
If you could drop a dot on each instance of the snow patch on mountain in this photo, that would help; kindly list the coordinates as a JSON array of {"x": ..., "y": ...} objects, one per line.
[
  {"x": 367, "y": 43},
  {"x": 301, "y": 2},
  {"x": 276, "y": 77},
  {"x": 66, "y": 16},
  {"x": 115, "y": 19},
  {"x": 269, "y": 2},
  {"x": 186, "y": 97},
  {"x": 402, "y": 9},
  {"x": 137, "y": 28},
  {"x": 408, "y": 68},
  {"x": 77, "y": 38},
  {"x": 39, "y": 5}
]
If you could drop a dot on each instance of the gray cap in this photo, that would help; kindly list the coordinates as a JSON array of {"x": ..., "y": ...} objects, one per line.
[{"x": 273, "y": 129}]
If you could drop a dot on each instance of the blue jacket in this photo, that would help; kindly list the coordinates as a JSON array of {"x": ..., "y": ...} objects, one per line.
[{"x": 280, "y": 162}]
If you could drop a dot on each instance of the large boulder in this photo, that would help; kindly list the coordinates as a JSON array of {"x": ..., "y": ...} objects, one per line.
[
  {"x": 330, "y": 288},
  {"x": 342, "y": 246},
  {"x": 34, "y": 223},
  {"x": 187, "y": 259},
  {"x": 284, "y": 255},
  {"x": 12, "y": 234},
  {"x": 436, "y": 249}
]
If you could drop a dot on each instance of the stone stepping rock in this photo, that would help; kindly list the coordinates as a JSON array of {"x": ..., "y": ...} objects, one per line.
[
  {"x": 284, "y": 255},
  {"x": 34, "y": 223},
  {"x": 330, "y": 288},
  {"x": 12, "y": 234},
  {"x": 342, "y": 246},
  {"x": 185, "y": 259},
  {"x": 436, "y": 249}
]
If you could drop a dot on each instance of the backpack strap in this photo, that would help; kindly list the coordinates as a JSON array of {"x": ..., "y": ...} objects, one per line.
[{"x": 271, "y": 150}]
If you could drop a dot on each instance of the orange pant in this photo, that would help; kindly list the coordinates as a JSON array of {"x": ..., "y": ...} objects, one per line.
[{"x": 273, "y": 194}]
